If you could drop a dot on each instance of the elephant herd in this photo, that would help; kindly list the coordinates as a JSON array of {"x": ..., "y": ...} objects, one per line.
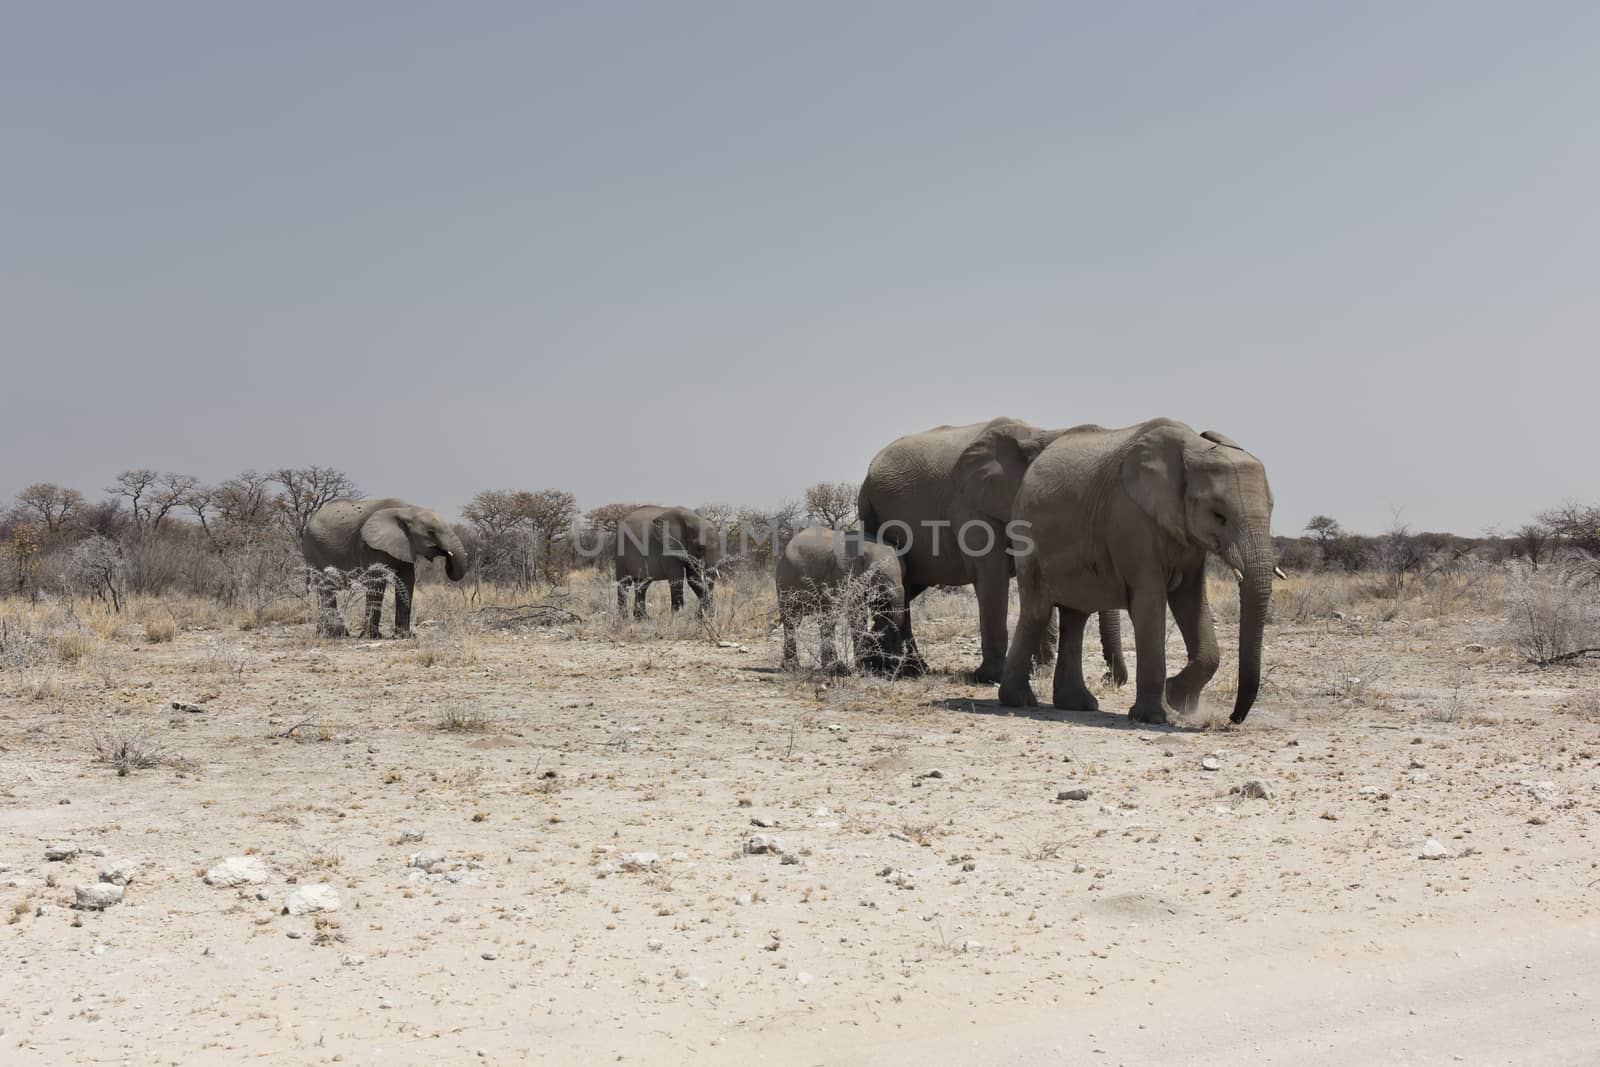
[{"x": 1089, "y": 520}]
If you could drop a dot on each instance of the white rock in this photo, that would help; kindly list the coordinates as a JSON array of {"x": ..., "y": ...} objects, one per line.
[
  {"x": 305, "y": 899},
  {"x": 759, "y": 844},
  {"x": 1211, "y": 763},
  {"x": 655, "y": 944},
  {"x": 97, "y": 896},
  {"x": 1420, "y": 778},
  {"x": 1257, "y": 788},
  {"x": 236, "y": 871},
  {"x": 1544, "y": 792},
  {"x": 972, "y": 944},
  {"x": 426, "y": 860},
  {"x": 640, "y": 861},
  {"x": 1370, "y": 791},
  {"x": 61, "y": 850},
  {"x": 804, "y": 979},
  {"x": 121, "y": 872},
  {"x": 744, "y": 899},
  {"x": 1433, "y": 850},
  {"x": 411, "y": 835}
]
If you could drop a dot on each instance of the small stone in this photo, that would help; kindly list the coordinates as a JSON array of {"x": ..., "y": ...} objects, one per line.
[
  {"x": 932, "y": 774},
  {"x": 804, "y": 979},
  {"x": 655, "y": 944},
  {"x": 490, "y": 956},
  {"x": 311, "y": 898},
  {"x": 237, "y": 871},
  {"x": 972, "y": 944},
  {"x": 1416, "y": 765},
  {"x": 426, "y": 860},
  {"x": 1079, "y": 793},
  {"x": 1211, "y": 763},
  {"x": 640, "y": 861},
  {"x": 1433, "y": 850},
  {"x": 97, "y": 896},
  {"x": 121, "y": 872},
  {"x": 61, "y": 850},
  {"x": 789, "y": 859},
  {"x": 1544, "y": 792},
  {"x": 293, "y": 935},
  {"x": 352, "y": 959},
  {"x": 763, "y": 822},
  {"x": 760, "y": 844},
  {"x": 411, "y": 835},
  {"x": 1419, "y": 778},
  {"x": 262, "y": 894},
  {"x": 744, "y": 900},
  {"x": 1256, "y": 788}
]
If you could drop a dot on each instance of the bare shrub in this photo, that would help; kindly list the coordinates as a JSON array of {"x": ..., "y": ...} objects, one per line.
[
  {"x": 128, "y": 748},
  {"x": 1553, "y": 614},
  {"x": 456, "y": 719},
  {"x": 97, "y": 564},
  {"x": 159, "y": 629}
]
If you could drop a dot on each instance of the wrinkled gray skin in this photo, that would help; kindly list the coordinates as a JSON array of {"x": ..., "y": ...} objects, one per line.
[
  {"x": 1125, "y": 519},
  {"x": 673, "y": 545},
  {"x": 960, "y": 475},
  {"x": 353, "y": 534},
  {"x": 833, "y": 574}
]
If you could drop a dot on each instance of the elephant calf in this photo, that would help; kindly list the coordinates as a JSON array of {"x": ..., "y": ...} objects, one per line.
[
  {"x": 353, "y": 534},
  {"x": 674, "y": 545},
  {"x": 834, "y": 575}
]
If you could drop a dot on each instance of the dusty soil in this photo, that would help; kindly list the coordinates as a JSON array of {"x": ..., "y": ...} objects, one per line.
[{"x": 964, "y": 916}]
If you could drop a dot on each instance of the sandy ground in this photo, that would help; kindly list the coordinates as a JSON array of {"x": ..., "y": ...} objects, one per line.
[{"x": 964, "y": 916}]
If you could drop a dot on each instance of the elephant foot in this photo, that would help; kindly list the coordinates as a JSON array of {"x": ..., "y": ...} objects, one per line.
[
  {"x": 1067, "y": 698},
  {"x": 1018, "y": 696},
  {"x": 911, "y": 667},
  {"x": 1154, "y": 713},
  {"x": 987, "y": 675}
]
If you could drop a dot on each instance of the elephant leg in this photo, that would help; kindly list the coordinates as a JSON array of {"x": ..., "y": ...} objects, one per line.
[
  {"x": 1045, "y": 654},
  {"x": 1193, "y": 615},
  {"x": 791, "y": 651},
  {"x": 640, "y": 591},
  {"x": 329, "y": 621},
  {"x": 676, "y": 586},
  {"x": 1148, "y": 607},
  {"x": 1111, "y": 646},
  {"x": 1016, "y": 690},
  {"x": 624, "y": 587},
  {"x": 702, "y": 592},
  {"x": 375, "y": 591},
  {"x": 827, "y": 625},
  {"x": 405, "y": 586},
  {"x": 993, "y": 585},
  {"x": 1069, "y": 692},
  {"x": 914, "y": 665}
]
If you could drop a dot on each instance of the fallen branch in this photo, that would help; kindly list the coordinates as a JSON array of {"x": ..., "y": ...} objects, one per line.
[
  {"x": 498, "y": 618},
  {"x": 1565, "y": 656}
]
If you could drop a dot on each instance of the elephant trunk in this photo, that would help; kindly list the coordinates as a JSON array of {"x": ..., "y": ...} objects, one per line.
[
  {"x": 1255, "y": 595},
  {"x": 455, "y": 556}
]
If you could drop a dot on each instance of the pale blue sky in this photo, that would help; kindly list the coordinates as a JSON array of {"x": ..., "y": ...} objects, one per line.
[{"x": 681, "y": 252}]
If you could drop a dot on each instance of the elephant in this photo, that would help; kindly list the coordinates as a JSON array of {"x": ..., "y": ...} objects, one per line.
[
  {"x": 352, "y": 534},
  {"x": 674, "y": 544},
  {"x": 835, "y": 574},
  {"x": 944, "y": 499},
  {"x": 1124, "y": 519}
]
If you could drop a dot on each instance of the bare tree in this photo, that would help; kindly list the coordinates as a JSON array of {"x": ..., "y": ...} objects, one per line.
[
  {"x": 600, "y": 531},
  {"x": 151, "y": 496},
  {"x": 1531, "y": 540},
  {"x": 550, "y": 515},
  {"x": 56, "y": 506},
  {"x": 306, "y": 490},
  {"x": 1575, "y": 525},
  {"x": 832, "y": 503}
]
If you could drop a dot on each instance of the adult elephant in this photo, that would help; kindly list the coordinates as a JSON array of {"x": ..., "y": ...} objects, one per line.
[
  {"x": 674, "y": 545},
  {"x": 355, "y": 534},
  {"x": 944, "y": 498},
  {"x": 1124, "y": 519}
]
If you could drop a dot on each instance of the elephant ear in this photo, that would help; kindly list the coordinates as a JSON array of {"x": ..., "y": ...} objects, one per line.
[
  {"x": 1153, "y": 474},
  {"x": 389, "y": 532},
  {"x": 989, "y": 471},
  {"x": 1222, "y": 439}
]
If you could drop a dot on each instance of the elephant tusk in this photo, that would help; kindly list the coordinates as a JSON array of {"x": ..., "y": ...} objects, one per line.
[
  {"x": 1278, "y": 573},
  {"x": 1239, "y": 574}
]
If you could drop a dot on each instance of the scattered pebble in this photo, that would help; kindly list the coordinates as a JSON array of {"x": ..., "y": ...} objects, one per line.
[
  {"x": 97, "y": 896},
  {"x": 1257, "y": 789},
  {"x": 760, "y": 844},
  {"x": 305, "y": 899},
  {"x": 1544, "y": 792},
  {"x": 640, "y": 861},
  {"x": 1211, "y": 763},
  {"x": 411, "y": 835},
  {"x": 426, "y": 860},
  {"x": 237, "y": 871},
  {"x": 61, "y": 850},
  {"x": 1433, "y": 850},
  {"x": 121, "y": 872},
  {"x": 1078, "y": 793},
  {"x": 655, "y": 944},
  {"x": 490, "y": 956}
]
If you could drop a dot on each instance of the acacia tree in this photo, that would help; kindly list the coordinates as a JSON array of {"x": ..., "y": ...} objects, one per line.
[
  {"x": 306, "y": 490},
  {"x": 152, "y": 497},
  {"x": 832, "y": 503},
  {"x": 57, "y": 507},
  {"x": 1575, "y": 525},
  {"x": 549, "y": 515}
]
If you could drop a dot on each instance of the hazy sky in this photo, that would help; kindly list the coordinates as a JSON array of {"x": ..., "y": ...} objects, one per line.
[{"x": 682, "y": 252}]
